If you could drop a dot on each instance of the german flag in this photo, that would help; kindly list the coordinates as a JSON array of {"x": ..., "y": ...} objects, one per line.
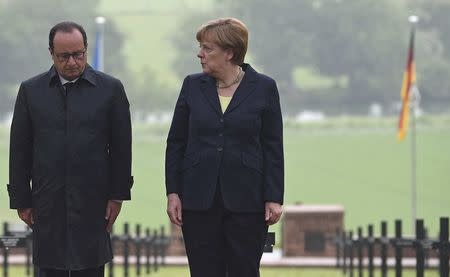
[{"x": 409, "y": 81}]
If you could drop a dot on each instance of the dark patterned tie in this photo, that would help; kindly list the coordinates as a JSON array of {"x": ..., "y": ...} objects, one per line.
[{"x": 68, "y": 86}]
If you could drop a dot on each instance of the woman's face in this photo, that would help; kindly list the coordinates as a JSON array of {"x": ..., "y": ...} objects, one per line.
[{"x": 213, "y": 58}]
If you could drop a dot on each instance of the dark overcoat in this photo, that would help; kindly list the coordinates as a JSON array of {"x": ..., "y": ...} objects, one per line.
[
  {"x": 75, "y": 150},
  {"x": 241, "y": 149}
]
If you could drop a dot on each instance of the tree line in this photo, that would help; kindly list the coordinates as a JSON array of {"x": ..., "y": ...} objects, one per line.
[{"x": 338, "y": 56}]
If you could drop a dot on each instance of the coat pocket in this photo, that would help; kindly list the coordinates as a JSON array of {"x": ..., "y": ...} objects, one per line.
[{"x": 252, "y": 161}]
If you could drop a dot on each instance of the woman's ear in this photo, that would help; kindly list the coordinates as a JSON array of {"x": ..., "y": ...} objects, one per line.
[{"x": 229, "y": 54}]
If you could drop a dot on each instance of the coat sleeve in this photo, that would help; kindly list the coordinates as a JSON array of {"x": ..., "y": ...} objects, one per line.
[
  {"x": 272, "y": 146},
  {"x": 20, "y": 154},
  {"x": 120, "y": 146},
  {"x": 177, "y": 141}
]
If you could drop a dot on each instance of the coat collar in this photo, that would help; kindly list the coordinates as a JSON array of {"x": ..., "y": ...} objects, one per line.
[
  {"x": 88, "y": 75},
  {"x": 245, "y": 88}
]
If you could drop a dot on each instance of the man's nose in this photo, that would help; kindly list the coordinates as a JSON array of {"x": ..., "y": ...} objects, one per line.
[{"x": 71, "y": 60}]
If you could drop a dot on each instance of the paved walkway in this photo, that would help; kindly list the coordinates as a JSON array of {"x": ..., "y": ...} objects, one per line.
[{"x": 274, "y": 259}]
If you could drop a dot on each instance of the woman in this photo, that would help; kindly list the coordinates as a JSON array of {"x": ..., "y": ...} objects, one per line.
[{"x": 224, "y": 157}]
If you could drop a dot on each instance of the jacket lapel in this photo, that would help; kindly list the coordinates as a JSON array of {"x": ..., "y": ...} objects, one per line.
[
  {"x": 245, "y": 88},
  {"x": 208, "y": 87}
]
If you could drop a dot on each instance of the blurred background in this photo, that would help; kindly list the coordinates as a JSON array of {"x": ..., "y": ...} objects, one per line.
[
  {"x": 333, "y": 56},
  {"x": 338, "y": 65}
]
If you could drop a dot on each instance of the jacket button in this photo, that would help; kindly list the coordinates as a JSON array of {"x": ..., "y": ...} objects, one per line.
[
  {"x": 221, "y": 135},
  {"x": 221, "y": 120},
  {"x": 219, "y": 149}
]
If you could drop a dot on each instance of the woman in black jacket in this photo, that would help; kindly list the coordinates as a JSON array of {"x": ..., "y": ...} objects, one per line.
[{"x": 224, "y": 157}]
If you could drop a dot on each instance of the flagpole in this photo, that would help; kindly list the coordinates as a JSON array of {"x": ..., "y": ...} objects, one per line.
[
  {"x": 413, "y": 164},
  {"x": 413, "y": 19},
  {"x": 99, "y": 47}
]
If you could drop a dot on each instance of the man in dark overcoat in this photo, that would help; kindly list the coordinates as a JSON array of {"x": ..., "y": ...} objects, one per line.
[{"x": 70, "y": 158}]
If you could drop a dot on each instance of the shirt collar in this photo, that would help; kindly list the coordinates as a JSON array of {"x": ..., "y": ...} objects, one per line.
[
  {"x": 64, "y": 81},
  {"x": 88, "y": 74}
]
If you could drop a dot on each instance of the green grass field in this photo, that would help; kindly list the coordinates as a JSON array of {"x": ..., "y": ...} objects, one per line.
[
  {"x": 265, "y": 272},
  {"x": 364, "y": 169}
]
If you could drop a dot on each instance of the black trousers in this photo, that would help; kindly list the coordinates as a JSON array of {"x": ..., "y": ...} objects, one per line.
[
  {"x": 221, "y": 243},
  {"x": 90, "y": 272}
]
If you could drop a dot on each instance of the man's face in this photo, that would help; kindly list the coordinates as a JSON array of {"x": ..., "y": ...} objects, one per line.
[{"x": 69, "y": 54}]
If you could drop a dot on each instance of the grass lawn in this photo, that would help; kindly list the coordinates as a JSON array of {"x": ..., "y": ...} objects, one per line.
[{"x": 365, "y": 170}]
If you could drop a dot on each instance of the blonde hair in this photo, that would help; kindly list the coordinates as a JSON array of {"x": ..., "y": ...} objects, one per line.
[{"x": 228, "y": 33}]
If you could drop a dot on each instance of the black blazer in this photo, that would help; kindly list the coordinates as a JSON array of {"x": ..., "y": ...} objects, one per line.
[{"x": 240, "y": 149}]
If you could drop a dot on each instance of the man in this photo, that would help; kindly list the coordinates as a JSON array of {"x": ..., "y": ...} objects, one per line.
[{"x": 71, "y": 137}]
